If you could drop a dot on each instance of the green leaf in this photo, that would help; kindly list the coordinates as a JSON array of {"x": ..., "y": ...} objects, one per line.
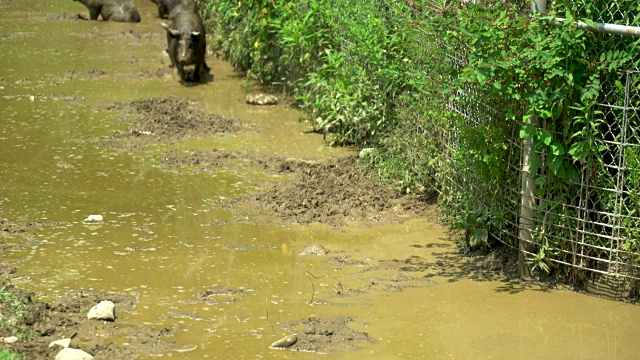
[
  {"x": 480, "y": 77},
  {"x": 556, "y": 148},
  {"x": 555, "y": 165},
  {"x": 497, "y": 85},
  {"x": 573, "y": 175},
  {"x": 546, "y": 136},
  {"x": 541, "y": 181},
  {"x": 527, "y": 131},
  {"x": 579, "y": 150}
]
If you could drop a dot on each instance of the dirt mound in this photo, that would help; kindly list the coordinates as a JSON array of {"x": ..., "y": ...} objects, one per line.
[
  {"x": 19, "y": 233},
  {"x": 166, "y": 120},
  {"x": 158, "y": 73},
  {"x": 212, "y": 160},
  {"x": 43, "y": 323},
  {"x": 334, "y": 192},
  {"x": 325, "y": 335}
]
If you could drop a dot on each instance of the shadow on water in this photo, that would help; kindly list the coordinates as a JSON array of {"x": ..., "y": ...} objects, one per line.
[{"x": 451, "y": 265}]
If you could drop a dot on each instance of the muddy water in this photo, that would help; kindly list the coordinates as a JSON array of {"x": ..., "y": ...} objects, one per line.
[{"x": 165, "y": 237}]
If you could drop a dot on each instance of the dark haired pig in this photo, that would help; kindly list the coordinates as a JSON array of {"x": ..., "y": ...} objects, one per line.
[
  {"x": 186, "y": 44},
  {"x": 169, "y": 8},
  {"x": 112, "y": 10}
]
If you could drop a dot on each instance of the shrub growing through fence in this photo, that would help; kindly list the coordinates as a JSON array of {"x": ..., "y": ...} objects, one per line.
[{"x": 443, "y": 92}]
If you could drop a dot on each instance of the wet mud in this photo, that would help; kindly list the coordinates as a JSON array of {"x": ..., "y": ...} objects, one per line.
[
  {"x": 39, "y": 323},
  {"x": 20, "y": 233},
  {"x": 211, "y": 206},
  {"x": 166, "y": 120},
  {"x": 334, "y": 192},
  {"x": 44, "y": 323},
  {"x": 323, "y": 335}
]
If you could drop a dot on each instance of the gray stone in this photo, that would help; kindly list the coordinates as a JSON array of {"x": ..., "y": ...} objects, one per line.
[
  {"x": 314, "y": 249},
  {"x": 365, "y": 152},
  {"x": 261, "y": 99},
  {"x": 63, "y": 343},
  {"x": 285, "y": 342},
  {"x": 92, "y": 219}
]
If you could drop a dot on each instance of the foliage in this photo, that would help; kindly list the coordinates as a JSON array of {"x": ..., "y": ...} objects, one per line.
[
  {"x": 446, "y": 93},
  {"x": 548, "y": 76},
  {"x": 13, "y": 309},
  {"x": 275, "y": 42}
]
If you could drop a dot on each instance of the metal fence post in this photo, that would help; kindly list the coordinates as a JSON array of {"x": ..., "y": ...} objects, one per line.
[{"x": 528, "y": 185}]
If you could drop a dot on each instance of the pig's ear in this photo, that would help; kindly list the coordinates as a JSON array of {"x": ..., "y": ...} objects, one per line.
[{"x": 172, "y": 32}]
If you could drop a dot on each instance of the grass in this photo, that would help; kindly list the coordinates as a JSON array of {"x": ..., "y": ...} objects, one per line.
[
  {"x": 12, "y": 309},
  {"x": 8, "y": 355}
]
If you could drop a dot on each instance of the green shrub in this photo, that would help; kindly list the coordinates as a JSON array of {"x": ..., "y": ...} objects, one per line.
[{"x": 445, "y": 93}]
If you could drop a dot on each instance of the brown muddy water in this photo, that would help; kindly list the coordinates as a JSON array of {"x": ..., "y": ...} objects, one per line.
[{"x": 166, "y": 238}]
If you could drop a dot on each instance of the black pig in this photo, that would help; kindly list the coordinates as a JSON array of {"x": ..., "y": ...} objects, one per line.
[
  {"x": 112, "y": 10},
  {"x": 169, "y": 8},
  {"x": 187, "y": 44}
]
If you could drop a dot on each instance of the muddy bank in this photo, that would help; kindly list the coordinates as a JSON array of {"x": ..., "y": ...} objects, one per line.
[
  {"x": 334, "y": 192},
  {"x": 20, "y": 233},
  {"x": 166, "y": 120},
  {"x": 37, "y": 324},
  {"x": 325, "y": 335}
]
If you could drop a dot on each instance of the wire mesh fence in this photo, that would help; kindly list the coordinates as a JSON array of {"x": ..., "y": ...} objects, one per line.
[{"x": 589, "y": 225}]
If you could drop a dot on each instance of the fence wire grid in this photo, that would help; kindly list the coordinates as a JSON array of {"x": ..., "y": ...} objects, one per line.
[{"x": 594, "y": 236}]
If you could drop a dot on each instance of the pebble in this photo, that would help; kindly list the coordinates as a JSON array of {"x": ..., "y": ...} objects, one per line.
[
  {"x": 94, "y": 219},
  {"x": 285, "y": 342},
  {"x": 63, "y": 343},
  {"x": 73, "y": 354},
  {"x": 10, "y": 340},
  {"x": 105, "y": 310}
]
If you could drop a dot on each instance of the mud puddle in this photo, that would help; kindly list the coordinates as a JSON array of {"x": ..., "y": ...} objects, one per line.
[{"x": 209, "y": 205}]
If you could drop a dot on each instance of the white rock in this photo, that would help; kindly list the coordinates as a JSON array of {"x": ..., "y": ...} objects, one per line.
[
  {"x": 73, "y": 354},
  {"x": 105, "y": 310},
  {"x": 365, "y": 152},
  {"x": 63, "y": 343},
  {"x": 94, "y": 219},
  {"x": 261, "y": 99},
  {"x": 10, "y": 340}
]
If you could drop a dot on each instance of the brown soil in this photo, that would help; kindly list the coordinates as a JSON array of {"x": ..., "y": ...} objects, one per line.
[
  {"x": 334, "y": 192},
  {"x": 325, "y": 335},
  {"x": 18, "y": 233},
  {"x": 166, "y": 120},
  {"x": 40, "y": 323}
]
